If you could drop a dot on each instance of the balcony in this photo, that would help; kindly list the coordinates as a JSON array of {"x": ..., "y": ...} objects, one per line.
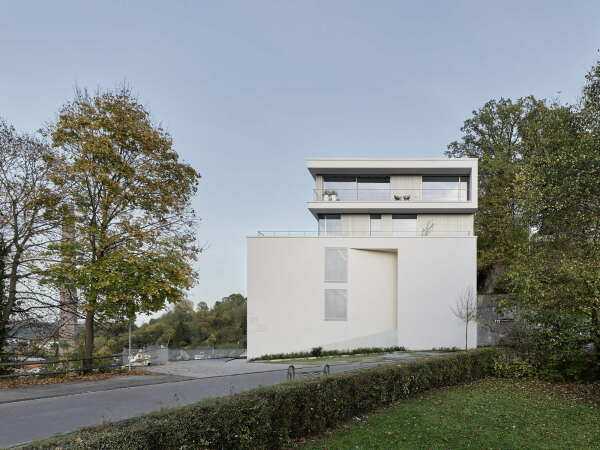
[
  {"x": 352, "y": 234},
  {"x": 392, "y": 195}
]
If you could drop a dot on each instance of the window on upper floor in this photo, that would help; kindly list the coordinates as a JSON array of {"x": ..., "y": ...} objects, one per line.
[
  {"x": 330, "y": 224},
  {"x": 404, "y": 225},
  {"x": 445, "y": 189},
  {"x": 350, "y": 187}
]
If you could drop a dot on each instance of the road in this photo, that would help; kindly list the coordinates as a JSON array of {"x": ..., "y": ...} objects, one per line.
[{"x": 24, "y": 416}]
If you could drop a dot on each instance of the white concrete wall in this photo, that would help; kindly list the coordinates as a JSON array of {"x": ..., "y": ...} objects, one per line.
[
  {"x": 446, "y": 223},
  {"x": 400, "y": 291}
]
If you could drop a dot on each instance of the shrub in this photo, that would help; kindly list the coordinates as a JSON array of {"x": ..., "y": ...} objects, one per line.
[
  {"x": 556, "y": 344},
  {"x": 272, "y": 417},
  {"x": 316, "y": 351},
  {"x": 508, "y": 365}
]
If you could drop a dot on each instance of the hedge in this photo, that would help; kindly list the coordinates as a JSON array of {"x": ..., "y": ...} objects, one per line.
[
  {"x": 318, "y": 351},
  {"x": 271, "y": 417}
]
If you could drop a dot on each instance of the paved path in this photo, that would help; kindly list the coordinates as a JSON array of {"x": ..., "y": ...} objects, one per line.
[{"x": 23, "y": 420}]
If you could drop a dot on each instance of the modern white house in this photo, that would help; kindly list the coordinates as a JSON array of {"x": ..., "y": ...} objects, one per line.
[{"x": 391, "y": 252}]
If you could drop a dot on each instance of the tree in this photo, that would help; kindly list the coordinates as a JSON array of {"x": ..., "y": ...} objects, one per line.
[
  {"x": 128, "y": 198},
  {"x": 465, "y": 309},
  {"x": 493, "y": 136},
  {"x": 558, "y": 269},
  {"x": 29, "y": 223}
]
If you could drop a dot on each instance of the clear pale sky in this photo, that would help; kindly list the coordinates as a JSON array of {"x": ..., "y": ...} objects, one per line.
[{"x": 249, "y": 89}]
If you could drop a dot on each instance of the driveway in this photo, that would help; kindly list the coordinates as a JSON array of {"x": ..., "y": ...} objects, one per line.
[{"x": 40, "y": 411}]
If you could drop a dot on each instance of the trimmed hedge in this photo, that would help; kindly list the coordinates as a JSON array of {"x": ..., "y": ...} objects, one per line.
[
  {"x": 318, "y": 352},
  {"x": 271, "y": 417}
]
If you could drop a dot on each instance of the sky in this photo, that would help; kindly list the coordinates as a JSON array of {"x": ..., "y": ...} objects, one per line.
[{"x": 250, "y": 89}]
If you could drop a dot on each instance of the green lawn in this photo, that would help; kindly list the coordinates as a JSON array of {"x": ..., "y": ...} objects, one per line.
[{"x": 490, "y": 414}]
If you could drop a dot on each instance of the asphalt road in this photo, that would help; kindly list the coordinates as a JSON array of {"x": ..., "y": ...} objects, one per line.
[
  {"x": 38, "y": 412},
  {"x": 25, "y": 420}
]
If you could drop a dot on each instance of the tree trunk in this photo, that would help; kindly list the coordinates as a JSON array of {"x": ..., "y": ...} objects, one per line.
[
  {"x": 88, "y": 352},
  {"x": 467, "y": 336},
  {"x": 8, "y": 301},
  {"x": 3, "y": 323}
]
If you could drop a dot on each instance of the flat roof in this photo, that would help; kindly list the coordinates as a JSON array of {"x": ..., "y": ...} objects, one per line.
[{"x": 391, "y": 166}]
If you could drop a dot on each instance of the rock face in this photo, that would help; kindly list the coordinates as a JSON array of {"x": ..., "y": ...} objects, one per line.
[{"x": 493, "y": 327}]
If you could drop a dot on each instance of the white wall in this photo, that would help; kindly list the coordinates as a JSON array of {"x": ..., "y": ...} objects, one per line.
[
  {"x": 398, "y": 295},
  {"x": 446, "y": 223},
  {"x": 432, "y": 274}
]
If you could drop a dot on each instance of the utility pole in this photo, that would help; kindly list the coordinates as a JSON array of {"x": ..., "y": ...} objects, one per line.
[{"x": 129, "y": 357}]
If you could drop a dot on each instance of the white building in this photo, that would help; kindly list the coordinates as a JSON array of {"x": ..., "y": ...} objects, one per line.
[{"x": 392, "y": 251}]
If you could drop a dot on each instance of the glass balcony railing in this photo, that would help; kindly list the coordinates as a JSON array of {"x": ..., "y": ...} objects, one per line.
[
  {"x": 398, "y": 195},
  {"x": 415, "y": 233}
]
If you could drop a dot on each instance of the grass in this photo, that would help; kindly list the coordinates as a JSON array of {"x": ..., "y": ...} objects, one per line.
[
  {"x": 351, "y": 358},
  {"x": 489, "y": 414},
  {"x": 336, "y": 358}
]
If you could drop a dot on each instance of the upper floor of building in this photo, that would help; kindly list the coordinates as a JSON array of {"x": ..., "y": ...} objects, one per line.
[{"x": 393, "y": 186}]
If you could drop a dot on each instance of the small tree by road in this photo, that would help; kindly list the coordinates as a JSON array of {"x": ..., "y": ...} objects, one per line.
[{"x": 465, "y": 309}]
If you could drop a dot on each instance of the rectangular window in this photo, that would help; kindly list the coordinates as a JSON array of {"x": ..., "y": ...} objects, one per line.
[
  {"x": 336, "y": 264},
  {"x": 404, "y": 225},
  {"x": 330, "y": 224},
  {"x": 336, "y": 304},
  {"x": 352, "y": 187},
  {"x": 339, "y": 187},
  {"x": 446, "y": 189},
  {"x": 375, "y": 227},
  {"x": 373, "y": 188}
]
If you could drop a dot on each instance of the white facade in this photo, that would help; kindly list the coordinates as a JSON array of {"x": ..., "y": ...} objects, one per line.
[{"x": 384, "y": 266}]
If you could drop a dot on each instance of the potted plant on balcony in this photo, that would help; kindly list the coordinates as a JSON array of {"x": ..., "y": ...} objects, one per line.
[{"x": 330, "y": 196}]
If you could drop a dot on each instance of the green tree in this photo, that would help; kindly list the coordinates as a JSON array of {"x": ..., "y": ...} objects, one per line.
[
  {"x": 558, "y": 269},
  {"x": 493, "y": 136},
  {"x": 129, "y": 201}
]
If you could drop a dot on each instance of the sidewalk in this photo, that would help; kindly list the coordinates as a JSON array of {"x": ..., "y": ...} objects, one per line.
[{"x": 38, "y": 391}]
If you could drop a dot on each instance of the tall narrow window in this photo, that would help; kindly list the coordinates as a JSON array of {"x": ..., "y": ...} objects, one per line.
[
  {"x": 375, "y": 226},
  {"x": 336, "y": 304},
  {"x": 336, "y": 264},
  {"x": 330, "y": 224},
  {"x": 404, "y": 225}
]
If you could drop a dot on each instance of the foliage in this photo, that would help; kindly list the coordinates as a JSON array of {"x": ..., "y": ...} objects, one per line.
[
  {"x": 127, "y": 198},
  {"x": 556, "y": 344},
  {"x": 271, "y": 417},
  {"x": 492, "y": 135},
  {"x": 487, "y": 414},
  {"x": 356, "y": 351},
  {"x": 183, "y": 327},
  {"x": 316, "y": 351},
  {"x": 509, "y": 365},
  {"x": 556, "y": 273}
]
